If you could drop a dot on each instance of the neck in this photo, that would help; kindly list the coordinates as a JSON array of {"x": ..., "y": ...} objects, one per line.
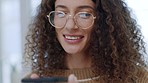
[{"x": 78, "y": 61}]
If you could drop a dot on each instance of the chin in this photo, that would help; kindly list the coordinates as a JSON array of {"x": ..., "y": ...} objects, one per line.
[{"x": 72, "y": 52}]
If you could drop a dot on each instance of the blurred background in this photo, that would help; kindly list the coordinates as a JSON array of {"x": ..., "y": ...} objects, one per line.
[{"x": 15, "y": 16}]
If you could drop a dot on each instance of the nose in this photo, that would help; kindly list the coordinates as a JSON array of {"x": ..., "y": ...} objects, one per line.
[{"x": 70, "y": 24}]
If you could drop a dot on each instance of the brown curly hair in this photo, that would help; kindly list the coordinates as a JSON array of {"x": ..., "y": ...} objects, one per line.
[{"x": 116, "y": 46}]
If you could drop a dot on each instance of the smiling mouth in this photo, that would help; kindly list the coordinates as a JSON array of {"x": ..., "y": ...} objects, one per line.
[{"x": 73, "y": 37}]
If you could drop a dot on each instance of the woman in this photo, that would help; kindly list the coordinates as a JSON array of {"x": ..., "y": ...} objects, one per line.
[{"x": 92, "y": 40}]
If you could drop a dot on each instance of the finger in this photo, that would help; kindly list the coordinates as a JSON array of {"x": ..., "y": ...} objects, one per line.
[
  {"x": 34, "y": 76},
  {"x": 72, "y": 79}
]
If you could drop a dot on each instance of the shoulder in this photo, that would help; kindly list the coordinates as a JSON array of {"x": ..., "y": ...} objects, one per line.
[{"x": 142, "y": 75}]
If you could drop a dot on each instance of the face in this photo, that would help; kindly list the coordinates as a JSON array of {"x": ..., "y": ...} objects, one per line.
[{"x": 74, "y": 39}]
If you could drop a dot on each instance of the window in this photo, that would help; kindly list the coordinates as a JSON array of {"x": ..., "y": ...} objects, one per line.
[
  {"x": 140, "y": 9},
  {"x": 14, "y": 19}
]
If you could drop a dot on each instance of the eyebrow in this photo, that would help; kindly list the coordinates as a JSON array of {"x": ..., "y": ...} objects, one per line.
[
  {"x": 61, "y": 6},
  {"x": 85, "y": 6},
  {"x": 79, "y": 7}
]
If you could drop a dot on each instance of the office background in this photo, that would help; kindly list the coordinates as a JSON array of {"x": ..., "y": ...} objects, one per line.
[{"x": 15, "y": 16}]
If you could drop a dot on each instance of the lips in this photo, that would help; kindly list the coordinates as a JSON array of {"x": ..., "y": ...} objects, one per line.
[{"x": 73, "y": 38}]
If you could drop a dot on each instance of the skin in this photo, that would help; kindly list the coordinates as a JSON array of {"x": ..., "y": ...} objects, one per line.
[
  {"x": 74, "y": 48},
  {"x": 71, "y": 79},
  {"x": 113, "y": 49}
]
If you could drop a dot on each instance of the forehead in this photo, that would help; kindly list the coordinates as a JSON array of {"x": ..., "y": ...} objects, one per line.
[{"x": 74, "y": 4}]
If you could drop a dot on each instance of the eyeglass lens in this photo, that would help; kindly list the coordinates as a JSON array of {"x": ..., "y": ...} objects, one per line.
[{"x": 58, "y": 19}]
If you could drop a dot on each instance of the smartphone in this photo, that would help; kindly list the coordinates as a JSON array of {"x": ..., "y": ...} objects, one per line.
[{"x": 45, "y": 80}]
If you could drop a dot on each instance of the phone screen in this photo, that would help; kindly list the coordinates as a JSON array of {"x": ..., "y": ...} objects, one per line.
[{"x": 45, "y": 80}]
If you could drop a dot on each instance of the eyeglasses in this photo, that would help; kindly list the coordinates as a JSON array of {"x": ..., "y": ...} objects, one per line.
[{"x": 58, "y": 19}]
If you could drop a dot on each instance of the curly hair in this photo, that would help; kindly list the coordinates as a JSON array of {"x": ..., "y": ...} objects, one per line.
[{"x": 116, "y": 46}]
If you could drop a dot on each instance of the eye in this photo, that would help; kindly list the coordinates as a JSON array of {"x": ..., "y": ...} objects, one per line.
[
  {"x": 60, "y": 14},
  {"x": 84, "y": 15}
]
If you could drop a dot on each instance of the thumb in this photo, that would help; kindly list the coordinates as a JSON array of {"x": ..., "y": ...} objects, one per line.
[
  {"x": 34, "y": 76},
  {"x": 72, "y": 79}
]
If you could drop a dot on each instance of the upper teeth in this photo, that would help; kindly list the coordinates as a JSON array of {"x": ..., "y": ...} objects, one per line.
[{"x": 72, "y": 37}]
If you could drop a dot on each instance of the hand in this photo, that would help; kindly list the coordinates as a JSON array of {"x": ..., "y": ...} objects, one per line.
[
  {"x": 34, "y": 76},
  {"x": 72, "y": 79}
]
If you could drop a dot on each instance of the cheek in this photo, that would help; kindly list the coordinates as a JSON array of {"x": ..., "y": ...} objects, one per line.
[
  {"x": 57, "y": 31},
  {"x": 58, "y": 34},
  {"x": 88, "y": 32},
  {"x": 89, "y": 35},
  {"x": 88, "y": 40}
]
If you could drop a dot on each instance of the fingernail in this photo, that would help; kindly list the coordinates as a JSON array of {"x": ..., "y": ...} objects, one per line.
[
  {"x": 34, "y": 76},
  {"x": 73, "y": 78}
]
